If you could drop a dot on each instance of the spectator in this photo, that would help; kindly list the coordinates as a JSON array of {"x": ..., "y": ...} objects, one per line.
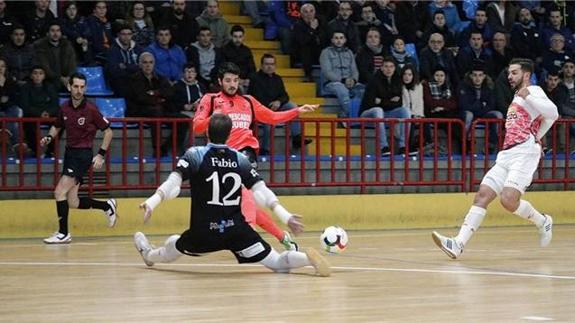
[
  {"x": 479, "y": 24},
  {"x": 38, "y": 99},
  {"x": 56, "y": 56},
  {"x": 412, "y": 18},
  {"x": 556, "y": 56},
  {"x": 279, "y": 25},
  {"x": 236, "y": 52},
  {"x": 436, "y": 55},
  {"x": 368, "y": 21},
  {"x": 213, "y": 19},
  {"x": 268, "y": 88},
  {"x": 182, "y": 25},
  {"x": 501, "y": 54},
  {"x": 149, "y": 97},
  {"x": 169, "y": 58},
  {"x": 385, "y": 12},
  {"x": 340, "y": 72},
  {"x": 7, "y": 23},
  {"x": 100, "y": 32},
  {"x": 503, "y": 92},
  {"x": 452, "y": 19},
  {"x": 206, "y": 57},
  {"x": 141, "y": 24},
  {"x": 9, "y": 107},
  {"x": 75, "y": 29},
  {"x": 383, "y": 99},
  {"x": 477, "y": 100},
  {"x": 19, "y": 55},
  {"x": 369, "y": 57},
  {"x": 401, "y": 56},
  {"x": 525, "y": 37},
  {"x": 556, "y": 26},
  {"x": 122, "y": 61},
  {"x": 412, "y": 98},
  {"x": 438, "y": 26},
  {"x": 558, "y": 93},
  {"x": 568, "y": 109},
  {"x": 307, "y": 33},
  {"x": 38, "y": 21},
  {"x": 472, "y": 52},
  {"x": 343, "y": 23},
  {"x": 501, "y": 15},
  {"x": 187, "y": 92}
]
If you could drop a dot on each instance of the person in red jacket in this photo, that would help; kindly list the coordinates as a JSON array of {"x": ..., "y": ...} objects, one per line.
[{"x": 244, "y": 110}]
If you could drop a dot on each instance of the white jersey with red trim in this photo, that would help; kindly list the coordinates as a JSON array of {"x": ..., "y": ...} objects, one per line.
[{"x": 533, "y": 115}]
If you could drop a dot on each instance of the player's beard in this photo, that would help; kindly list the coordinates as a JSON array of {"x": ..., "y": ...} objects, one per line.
[{"x": 230, "y": 91}]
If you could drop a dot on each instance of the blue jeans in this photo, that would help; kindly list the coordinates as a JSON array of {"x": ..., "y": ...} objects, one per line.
[
  {"x": 13, "y": 112},
  {"x": 399, "y": 131},
  {"x": 295, "y": 128},
  {"x": 343, "y": 95},
  {"x": 468, "y": 118}
]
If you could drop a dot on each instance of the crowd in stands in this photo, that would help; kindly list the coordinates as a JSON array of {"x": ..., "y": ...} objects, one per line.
[{"x": 399, "y": 59}]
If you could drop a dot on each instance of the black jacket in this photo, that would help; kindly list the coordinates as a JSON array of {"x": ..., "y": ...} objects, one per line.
[
  {"x": 142, "y": 103},
  {"x": 384, "y": 89},
  {"x": 266, "y": 88},
  {"x": 242, "y": 56}
]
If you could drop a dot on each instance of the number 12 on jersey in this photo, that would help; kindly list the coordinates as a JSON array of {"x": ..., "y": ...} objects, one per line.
[{"x": 226, "y": 201}]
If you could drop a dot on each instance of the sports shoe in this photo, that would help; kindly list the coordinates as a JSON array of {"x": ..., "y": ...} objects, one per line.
[
  {"x": 546, "y": 231},
  {"x": 451, "y": 247},
  {"x": 58, "y": 238},
  {"x": 111, "y": 213},
  {"x": 288, "y": 243},
  {"x": 320, "y": 264},
  {"x": 143, "y": 246}
]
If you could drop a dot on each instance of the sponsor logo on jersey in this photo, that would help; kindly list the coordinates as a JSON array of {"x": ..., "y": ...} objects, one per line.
[{"x": 221, "y": 227}]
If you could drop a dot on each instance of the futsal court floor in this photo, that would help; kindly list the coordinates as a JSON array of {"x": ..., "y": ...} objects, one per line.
[{"x": 383, "y": 276}]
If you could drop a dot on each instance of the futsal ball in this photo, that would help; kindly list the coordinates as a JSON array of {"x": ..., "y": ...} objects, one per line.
[{"x": 333, "y": 239}]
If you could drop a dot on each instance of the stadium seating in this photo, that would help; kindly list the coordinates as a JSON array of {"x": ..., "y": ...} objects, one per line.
[
  {"x": 112, "y": 108},
  {"x": 96, "y": 83}
]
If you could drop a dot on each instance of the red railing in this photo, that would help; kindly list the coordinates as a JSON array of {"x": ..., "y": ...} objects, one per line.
[{"x": 348, "y": 157}]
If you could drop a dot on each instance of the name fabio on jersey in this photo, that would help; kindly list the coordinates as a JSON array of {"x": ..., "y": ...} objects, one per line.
[{"x": 224, "y": 163}]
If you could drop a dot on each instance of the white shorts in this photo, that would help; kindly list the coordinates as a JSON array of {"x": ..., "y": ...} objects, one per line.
[{"x": 514, "y": 167}]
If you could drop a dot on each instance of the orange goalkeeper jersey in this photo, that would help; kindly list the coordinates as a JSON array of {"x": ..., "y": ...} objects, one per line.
[{"x": 242, "y": 109}]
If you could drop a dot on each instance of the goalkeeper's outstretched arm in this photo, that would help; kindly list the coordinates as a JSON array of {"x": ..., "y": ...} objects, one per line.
[
  {"x": 266, "y": 198},
  {"x": 169, "y": 189}
]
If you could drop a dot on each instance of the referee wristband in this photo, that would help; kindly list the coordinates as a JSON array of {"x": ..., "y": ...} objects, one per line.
[
  {"x": 102, "y": 152},
  {"x": 50, "y": 137}
]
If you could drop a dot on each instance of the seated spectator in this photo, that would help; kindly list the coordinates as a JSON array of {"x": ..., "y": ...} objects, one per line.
[
  {"x": 38, "y": 21},
  {"x": 555, "y": 26},
  {"x": 477, "y": 100},
  {"x": 141, "y": 24},
  {"x": 213, "y": 19},
  {"x": 344, "y": 24},
  {"x": 400, "y": 54},
  {"x": 369, "y": 57},
  {"x": 122, "y": 61},
  {"x": 439, "y": 26},
  {"x": 559, "y": 94},
  {"x": 182, "y": 25},
  {"x": 268, "y": 88},
  {"x": 7, "y": 23},
  {"x": 236, "y": 52},
  {"x": 412, "y": 19},
  {"x": 38, "y": 99},
  {"x": 556, "y": 56},
  {"x": 452, "y": 19},
  {"x": 412, "y": 98},
  {"x": 525, "y": 37},
  {"x": 503, "y": 92},
  {"x": 204, "y": 54},
  {"x": 280, "y": 25},
  {"x": 472, "y": 52},
  {"x": 9, "y": 106},
  {"x": 56, "y": 56},
  {"x": 568, "y": 109},
  {"x": 385, "y": 12},
  {"x": 479, "y": 24},
  {"x": 501, "y": 54},
  {"x": 368, "y": 21},
  {"x": 149, "y": 97},
  {"x": 169, "y": 58},
  {"x": 187, "y": 92},
  {"x": 435, "y": 54},
  {"x": 100, "y": 31},
  {"x": 19, "y": 55},
  {"x": 307, "y": 33},
  {"x": 340, "y": 72},
  {"x": 383, "y": 99},
  {"x": 76, "y": 30},
  {"x": 501, "y": 15}
]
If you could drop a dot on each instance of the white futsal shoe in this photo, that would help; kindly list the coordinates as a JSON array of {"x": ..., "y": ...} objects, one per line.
[
  {"x": 320, "y": 264},
  {"x": 451, "y": 247},
  {"x": 112, "y": 213},
  {"x": 58, "y": 238},
  {"x": 143, "y": 246},
  {"x": 546, "y": 231}
]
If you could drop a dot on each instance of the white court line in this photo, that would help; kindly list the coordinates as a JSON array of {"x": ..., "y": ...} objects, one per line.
[
  {"x": 374, "y": 269},
  {"x": 536, "y": 318}
]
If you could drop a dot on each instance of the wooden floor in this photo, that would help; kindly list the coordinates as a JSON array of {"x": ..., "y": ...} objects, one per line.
[{"x": 384, "y": 276}]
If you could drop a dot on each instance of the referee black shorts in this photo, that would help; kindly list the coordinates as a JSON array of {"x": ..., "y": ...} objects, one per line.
[{"x": 77, "y": 162}]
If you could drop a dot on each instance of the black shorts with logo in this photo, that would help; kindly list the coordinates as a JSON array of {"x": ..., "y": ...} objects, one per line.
[
  {"x": 245, "y": 243},
  {"x": 77, "y": 162}
]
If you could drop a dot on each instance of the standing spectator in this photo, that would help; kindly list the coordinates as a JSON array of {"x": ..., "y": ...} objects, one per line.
[
  {"x": 343, "y": 23},
  {"x": 268, "y": 88},
  {"x": 525, "y": 37},
  {"x": 412, "y": 18},
  {"x": 479, "y": 24},
  {"x": 182, "y": 25},
  {"x": 75, "y": 29},
  {"x": 477, "y": 100},
  {"x": 383, "y": 99},
  {"x": 7, "y": 23},
  {"x": 369, "y": 57},
  {"x": 141, "y": 23},
  {"x": 19, "y": 55},
  {"x": 187, "y": 92},
  {"x": 213, "y": 19},
  {"x": 81, "y": 119},
  {"x": 401, "y": 56},
  {"x": 169, "y": 58},
  {"x": 100, "y": 32},
  {"x": 122, "y": 61},
  {"x": 412, "y": 98},
  {"x": 556, "y": 26},
  {"x": 472, "y": 52},
  {"x": 307, "y": 33},
  {"x": 38, "y": 21},
  {"x": 341, "y": 75},
  {"x": 436, "y": 55},
  {"x": 236, "y": 52},
  {"x": 501, "y": 54},
  {"x": 501, "y": 15},
  {"x": 56, "y": 55},
  {"x": 9, "y": 106},
  {"x": 206, "y": 57},
  {"x": 38, "y": 99},
  {"x": 368, "y": 21}
]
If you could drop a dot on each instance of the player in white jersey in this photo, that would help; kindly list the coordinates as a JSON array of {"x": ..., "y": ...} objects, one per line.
[{"x": 529, "y": 117}]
